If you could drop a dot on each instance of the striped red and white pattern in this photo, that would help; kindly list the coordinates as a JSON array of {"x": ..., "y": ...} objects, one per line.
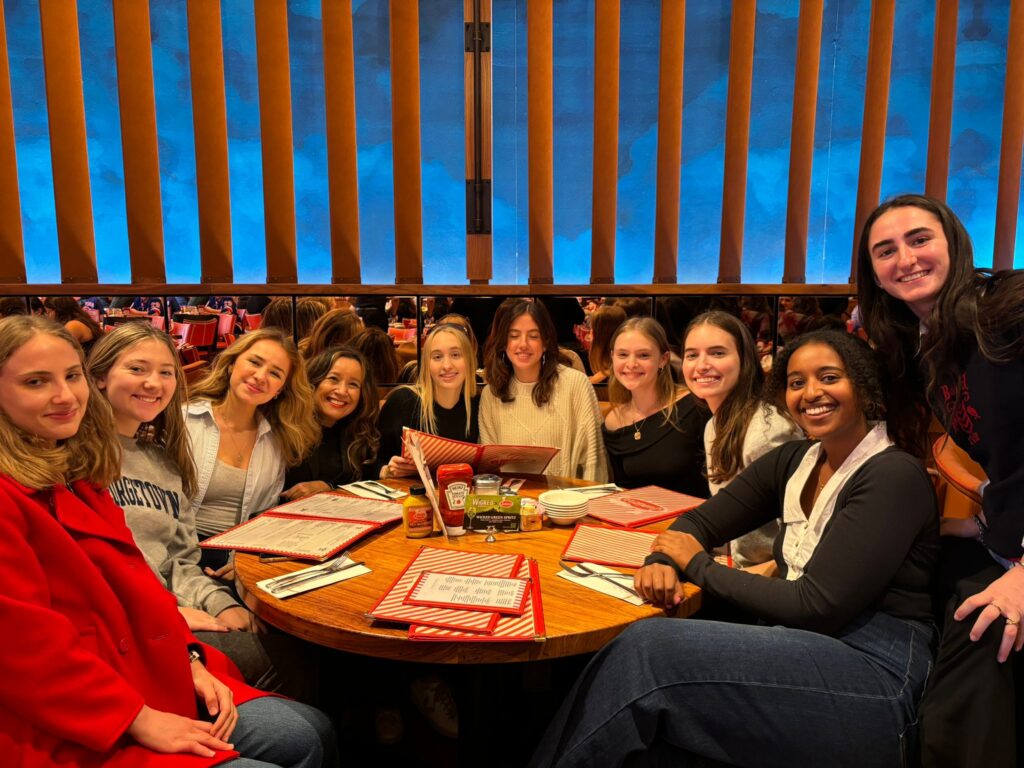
[
  {"x": 392, "y": 608},
  {"x": 609, "y": 546},
  {"x": 529, "y": 459},
  {"x": 441, "y": 450},
  {"x": 509, "y": 629},
  {"x": 641, "y": 506}
]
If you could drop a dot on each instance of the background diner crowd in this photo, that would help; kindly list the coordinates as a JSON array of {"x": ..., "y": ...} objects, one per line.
[{"x": 844, "y": 622}]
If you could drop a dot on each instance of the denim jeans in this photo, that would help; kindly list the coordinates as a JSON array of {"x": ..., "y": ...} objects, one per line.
[
  {"x": 283, "y": 733},
  {"x": 684, "y": 692}
]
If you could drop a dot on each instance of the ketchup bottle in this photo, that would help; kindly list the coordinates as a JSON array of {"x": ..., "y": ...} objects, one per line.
[{"x": 454, "y": 482}]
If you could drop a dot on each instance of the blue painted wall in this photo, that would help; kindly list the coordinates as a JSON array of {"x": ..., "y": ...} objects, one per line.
[{"x": 981, "y": 55}]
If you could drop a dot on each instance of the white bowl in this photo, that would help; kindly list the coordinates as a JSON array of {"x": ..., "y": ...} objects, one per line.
[
  {"x": 562, "y": 520},
  {"x": 562, "y": 499}
]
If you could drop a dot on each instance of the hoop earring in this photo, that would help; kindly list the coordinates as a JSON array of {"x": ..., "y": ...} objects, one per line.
[{"x": 543, "y": 359}]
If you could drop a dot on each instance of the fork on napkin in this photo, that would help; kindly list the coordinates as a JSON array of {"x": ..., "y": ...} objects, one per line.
[
  {"x": 371, "y": 489},
  {"x": 607, "y": 585},
  {"x": 349, "y": 569}
]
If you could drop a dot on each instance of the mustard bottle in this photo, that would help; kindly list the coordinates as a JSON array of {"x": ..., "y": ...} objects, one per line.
[{"x": 417, "y": 514}]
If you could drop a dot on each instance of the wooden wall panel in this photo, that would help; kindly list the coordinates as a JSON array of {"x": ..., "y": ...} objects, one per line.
[
  {"x": 801, "y": 152},
  {"x": 342, "y": 150},
  {"x": 405, "y": 131},
  {"x": 12, "y": 246},
  {"x": 940, "y": 121},
  {"x": 737, "y": 139},
  {"x": 1008, "y": 199},
  {"x": 140, "y": 149},
  {"x": 276, "y": 139},
  {"x": 876, "y": 107},
  {"x": 479, "y": 135},
  {"x": 670, "y": 140},
  {"x": 606, "y": 140},
  {"x": 540, "y": 127},
  {"x": 65, "y": 105},
  {"x": 210, "y": 123}
]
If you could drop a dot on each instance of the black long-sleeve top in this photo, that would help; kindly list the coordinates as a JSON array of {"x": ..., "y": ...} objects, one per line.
[
  {"x": 877, "y": 552},
  {"x": 402, "y": 409},
  {"x": 329, "y": 461}
]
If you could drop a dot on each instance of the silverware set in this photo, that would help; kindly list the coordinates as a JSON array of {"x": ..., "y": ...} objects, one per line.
[
  {"x": 377, "y": 489},
  {"x": 611, "y": 578},
  {"x": 337, "y": 565}
]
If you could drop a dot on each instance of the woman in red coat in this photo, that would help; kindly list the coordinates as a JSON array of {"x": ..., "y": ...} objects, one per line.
[{"x": 97, "y": 667}]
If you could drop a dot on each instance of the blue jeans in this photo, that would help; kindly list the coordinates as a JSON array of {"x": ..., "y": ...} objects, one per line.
[
  {"x": 681, "y": 692},
  {"x": 283, "y": 733}
]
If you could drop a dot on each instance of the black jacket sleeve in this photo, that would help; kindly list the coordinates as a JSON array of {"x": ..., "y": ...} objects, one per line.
[{"x": 401, "y": 409}]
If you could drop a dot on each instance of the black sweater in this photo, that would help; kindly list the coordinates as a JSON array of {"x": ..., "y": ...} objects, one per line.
[
  {"x": 877, "y": 552},
  {"x": 402, "y": 409},
  {"x": 329, "y": 461}
]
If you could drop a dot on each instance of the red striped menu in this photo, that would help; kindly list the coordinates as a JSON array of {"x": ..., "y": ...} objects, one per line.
[
  {"x": 530, "y": 459},
  {"x": 620, "y": 547},
  {"x": 641, "y": 506}
]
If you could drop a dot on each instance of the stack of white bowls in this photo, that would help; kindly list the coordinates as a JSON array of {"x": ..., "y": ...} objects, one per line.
[{"x": 563, "y": 507}]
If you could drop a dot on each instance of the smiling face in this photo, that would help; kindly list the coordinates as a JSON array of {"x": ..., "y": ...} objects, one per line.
[
  {"x": 525, "y": 348},
  {"x": 910, "y": 257},
  {"x": 821, "y": 397},
  {"x": 711, "y": 363},
  {"x": 636, "y": 361},
  {"x": 259, "y": 373},
  {"x": 43, "y": 389},
  {"x": 446, "y": 362},
  {"x": 338, "y": 394},
  {"x": 139, "y": 385}
]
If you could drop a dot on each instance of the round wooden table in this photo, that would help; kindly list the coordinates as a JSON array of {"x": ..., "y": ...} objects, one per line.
[{"x": 577, "y": 619}]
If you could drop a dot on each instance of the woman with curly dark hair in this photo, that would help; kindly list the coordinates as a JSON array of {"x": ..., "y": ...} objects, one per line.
[
  {"x": 953, "y": 336},
  {"x": 531, "y": 399},
  {"x": 346, "y": 407},
  {"x": 833, "y": 671}
]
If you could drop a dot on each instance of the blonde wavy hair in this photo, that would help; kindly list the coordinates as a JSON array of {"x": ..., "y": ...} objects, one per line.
[
  {"x": 92, "y": 454},
  {"x": 425, "y": 384},
  {"x": 290, "y": 415},
  {"x": 167, "y": 431}
]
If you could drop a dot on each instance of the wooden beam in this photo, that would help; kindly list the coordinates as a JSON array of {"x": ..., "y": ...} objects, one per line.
[
  {"x": 139, "y": 145},
  {"x": 276, "y": 139},
  {"x": 405, "y": 132},
  {"x": 876, "y": 106},
  {"x": 540, "y": 127},
  {"x": 12, "y": 246},
  {"x": 737, "y": 139},
  {"x": 342, "y": 150},
  {"x": 670, "y": 140},
  {"x": 69, "y": 152},
  {"x": 479, "y": 136},
  {"x": 1008, "y": 198},
  {"x": 210, "y": 123},
  {"x": 606, "y": 140},
  {"x": 940, "y": 120},
  {"x": 801, "y": 152}
]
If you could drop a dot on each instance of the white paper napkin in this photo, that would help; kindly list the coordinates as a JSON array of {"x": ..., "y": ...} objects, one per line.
[
  {"x": 603, "y": 586},
  {"x": 357, "y": 489},
  {"x": 316, "y": 582}
]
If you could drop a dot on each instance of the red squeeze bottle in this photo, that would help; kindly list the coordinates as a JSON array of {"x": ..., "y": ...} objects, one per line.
[{"x": 454, "y": 482}]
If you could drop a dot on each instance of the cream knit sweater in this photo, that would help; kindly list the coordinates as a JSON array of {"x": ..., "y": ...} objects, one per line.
[{"x": 570, "y": 420}]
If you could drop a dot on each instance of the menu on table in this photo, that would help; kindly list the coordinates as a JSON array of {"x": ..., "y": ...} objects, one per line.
[
  {"x": 337, "y": 505},
  {"x": 622, "y": 547},
  {"x": 641, "y": 506},
  {"x": 301, "y": 537},
  {"x": 451, "y": 590}
]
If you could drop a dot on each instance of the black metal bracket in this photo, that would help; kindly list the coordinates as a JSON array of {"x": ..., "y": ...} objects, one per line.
[
  {"x": 485, "y": 36},
  {"x": 478, "y": 207}
]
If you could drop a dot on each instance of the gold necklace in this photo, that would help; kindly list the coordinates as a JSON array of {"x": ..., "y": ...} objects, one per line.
[
  {"x": 235, "y": 453},
  {"x": 638, "y": 423}
]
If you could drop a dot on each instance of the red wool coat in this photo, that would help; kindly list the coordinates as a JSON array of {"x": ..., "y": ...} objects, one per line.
[{"x": 87, "y": 635}]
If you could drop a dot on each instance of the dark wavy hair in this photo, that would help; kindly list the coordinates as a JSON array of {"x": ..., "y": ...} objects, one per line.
[
  {"x": 65, "y": 309},
  {"x": 866, "y": 372},
  {"x": 741, "y": 404},
  {"x": 362, "y": 434},
  {"x": 498, "y": 368},
  {"x": 976, "y": 306}
]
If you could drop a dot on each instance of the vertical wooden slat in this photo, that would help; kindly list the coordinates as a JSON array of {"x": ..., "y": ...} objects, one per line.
[
  {"x": 606, "y": 140},
  {"x": 405, "y": 130},
  {"x": 210, "y": 124},
  {"x": 540, "y": 88},
  {"x": 276, "y": 139},
  {"x": 65, "y": 104},
  {"x": 12, "y": 247},
  {"x": 139, "y": 144},
  {"x": 876, "y": 106},
  {"x": 1008, "y": 198},
  {"x": 940, "y": 121},
  {"x": 737, "y": 139},
  {"x": 479, "y": 245},
  {"x": 342, "y": 150},
  {"x": 670, "y": 140},
  {"x": 801, "y": 152}
]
